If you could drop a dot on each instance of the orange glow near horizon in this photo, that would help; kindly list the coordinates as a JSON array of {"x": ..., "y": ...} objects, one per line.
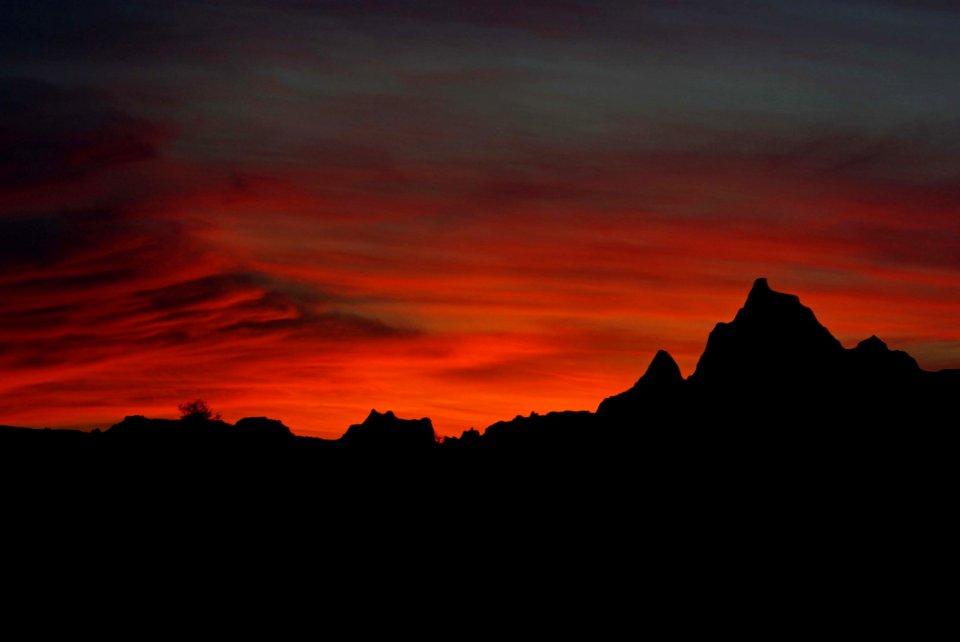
[
  {"x": 317, "y": 323},
  {"x": 464, "y": 212}
]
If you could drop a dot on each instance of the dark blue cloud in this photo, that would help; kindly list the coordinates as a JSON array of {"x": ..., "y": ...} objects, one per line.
[{"x": 50, "y": 133}]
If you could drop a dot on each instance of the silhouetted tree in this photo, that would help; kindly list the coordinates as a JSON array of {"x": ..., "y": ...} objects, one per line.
[{"x": 197, "y": 409}]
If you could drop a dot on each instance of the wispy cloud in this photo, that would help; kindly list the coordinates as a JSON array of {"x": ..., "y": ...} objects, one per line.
[{"x": 465, "y": 210}]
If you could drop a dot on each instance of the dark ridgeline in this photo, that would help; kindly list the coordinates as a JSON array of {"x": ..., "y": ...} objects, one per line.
[
  {"x": 783, "y": 461},
  {"x": 386, "y": 433},
  {"x": 773, "y": 342},
  {"x": 775, "y": 366},
  {"x": 774, "y": 396},
  {"x": 660, "y": 387}
]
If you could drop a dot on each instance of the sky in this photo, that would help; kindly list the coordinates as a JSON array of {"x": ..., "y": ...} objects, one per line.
[{"x": 461, "y": 210}]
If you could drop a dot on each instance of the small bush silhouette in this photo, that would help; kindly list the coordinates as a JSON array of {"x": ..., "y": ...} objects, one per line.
[{"x": 197, "y": 409}]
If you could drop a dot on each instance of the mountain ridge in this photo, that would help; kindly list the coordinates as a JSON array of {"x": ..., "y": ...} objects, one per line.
[{"x": 773, "y": 355}]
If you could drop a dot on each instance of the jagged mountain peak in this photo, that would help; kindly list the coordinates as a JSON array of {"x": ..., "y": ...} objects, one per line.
[
  {"x": 872, "y": 344},
  {"x": 773, "y": 337},
  {"x": 662, "y": 370},
  {"x": 874, "y": 361},
  {"x": 760, "y": 287},
  {"x": 386, "y": 430},
  {"x": 764, "y": 305},
  {"x": 662, "y": 378}
]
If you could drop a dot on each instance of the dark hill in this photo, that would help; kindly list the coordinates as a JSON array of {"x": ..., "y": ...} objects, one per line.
[
  {"x": 873, "y": 361},
  {"x": 775, "y": 366},
  {"x": 774, "y": 340},
  {"x": 772, "y": 380},
  {"x": 387, "y": 432},
  {"x": 785, "y": 463},
  {"x": 782, "y": 446},
  {"x": 651, "y": 397}
]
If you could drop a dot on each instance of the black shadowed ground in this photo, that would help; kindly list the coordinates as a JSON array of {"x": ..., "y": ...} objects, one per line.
[
  {"x": 778, "y": 425},
  {"x": 772, "y": 386}
]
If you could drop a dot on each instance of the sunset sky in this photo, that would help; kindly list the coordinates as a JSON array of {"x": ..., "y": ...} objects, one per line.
[{"x": 463, "y": 210}]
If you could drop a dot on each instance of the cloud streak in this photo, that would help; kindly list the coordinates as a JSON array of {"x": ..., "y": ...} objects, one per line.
[{"x": 468, "y": 212}]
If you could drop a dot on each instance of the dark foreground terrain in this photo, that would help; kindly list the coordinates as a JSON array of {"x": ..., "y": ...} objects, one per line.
[
  {"x": 786, "y": 483},
  {"x": 772, "y": 388},
  {"x": 776, "y": 412}
]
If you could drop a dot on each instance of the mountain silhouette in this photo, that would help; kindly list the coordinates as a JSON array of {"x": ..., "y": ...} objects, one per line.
[
  {"x": 658, "y": 388},
  {"x": 776, "y": 366},
  {"x": 386, "y": 432},
  {"x": 774, "y": 340},
  {"x": 782, "y": 445},
  {"x": 873, "y": 361},
  {"x": 771, "y": 370}
]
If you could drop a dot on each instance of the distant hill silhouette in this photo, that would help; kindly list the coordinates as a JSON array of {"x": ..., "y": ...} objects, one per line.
[
  {"x": 661, "y": 385},
  {"x": 782, "y": 455},
  {"x": 773, "y": 340},
  {"x": 774, "y": 369},
  {"x": 385, "y": 432}
]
